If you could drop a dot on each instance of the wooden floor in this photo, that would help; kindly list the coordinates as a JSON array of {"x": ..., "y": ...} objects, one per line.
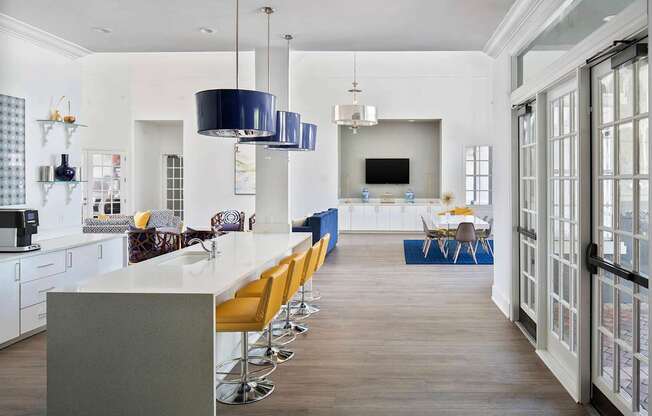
[{"x": 391, "y": 339}]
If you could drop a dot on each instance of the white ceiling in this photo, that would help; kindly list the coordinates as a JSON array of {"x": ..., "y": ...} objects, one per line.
[{"x": 172, "y": 25}]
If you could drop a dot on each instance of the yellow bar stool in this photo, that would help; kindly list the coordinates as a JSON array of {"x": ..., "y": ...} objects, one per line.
[
  {"x": 272, "y": 346},
  {"x": 246, "y": 315},
  {"x": 310, "y": 257},
  {"x": 304, "y": 309}
]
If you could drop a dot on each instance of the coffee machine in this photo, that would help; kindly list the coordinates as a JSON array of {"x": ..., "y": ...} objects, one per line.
[{"x": 16, "y": 229}]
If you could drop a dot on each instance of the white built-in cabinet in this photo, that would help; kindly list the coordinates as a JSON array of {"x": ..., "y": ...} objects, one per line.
[
  {"x": 24, "y": 283},
  {"x": 384, "y": 217},
  {"x": 9, "y": 300}
]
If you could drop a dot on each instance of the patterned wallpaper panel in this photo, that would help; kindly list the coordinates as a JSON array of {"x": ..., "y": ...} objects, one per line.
[{"x": 12, "y": 150}]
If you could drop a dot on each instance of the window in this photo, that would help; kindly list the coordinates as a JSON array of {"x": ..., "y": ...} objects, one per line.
[
  {"x": 478, "y": 175},
  {"x": 104, "y": 193},
  {"x": 573, "y": 21},
  {"x": 173, "y": 183}
]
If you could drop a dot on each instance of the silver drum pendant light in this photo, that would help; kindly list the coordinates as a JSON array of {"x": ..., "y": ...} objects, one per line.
[{"x": 355, "y": 115}]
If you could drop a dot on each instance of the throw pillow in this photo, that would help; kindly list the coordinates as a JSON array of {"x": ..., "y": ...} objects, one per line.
[
  {"x": 102, "y": 217},
  {"x": 142, "y": 218}
]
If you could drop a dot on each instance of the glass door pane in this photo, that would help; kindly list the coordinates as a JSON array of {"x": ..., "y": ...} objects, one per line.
[
  {"x": 620, "y": 207},
  {"x": 562, "y": 223},
  {"x": 528, "y": 220}
]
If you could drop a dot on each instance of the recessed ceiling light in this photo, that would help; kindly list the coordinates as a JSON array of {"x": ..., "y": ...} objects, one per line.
[
  {"x": 206, "y": 30},
  {"x": 411, "y": 120},
  {"x": 104, "y": 30},
  {"x": 607, "y": 18}
]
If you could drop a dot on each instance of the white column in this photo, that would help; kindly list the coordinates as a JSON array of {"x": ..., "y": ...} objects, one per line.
[{"x": 272, "y": 166}]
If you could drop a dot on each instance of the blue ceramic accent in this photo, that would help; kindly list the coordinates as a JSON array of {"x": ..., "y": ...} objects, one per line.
[
  {"x": 64, "y": 172},
  {"x": 365, "y": 195},
  {"x": 409, "y": 196},
  {"x": 236, "y": 113}
]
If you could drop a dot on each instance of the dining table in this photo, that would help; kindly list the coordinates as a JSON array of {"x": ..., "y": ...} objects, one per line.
[{"x": 450, "y": 223}]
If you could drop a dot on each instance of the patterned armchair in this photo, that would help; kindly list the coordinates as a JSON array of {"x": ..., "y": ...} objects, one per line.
[
  {"x": 149, "y": 243},
  {"x": 228, "y": 220},
  {"x": 252, "y": 221}
]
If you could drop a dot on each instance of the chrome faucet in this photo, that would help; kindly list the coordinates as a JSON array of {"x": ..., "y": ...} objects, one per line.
[{"x": 212, "y": 252}]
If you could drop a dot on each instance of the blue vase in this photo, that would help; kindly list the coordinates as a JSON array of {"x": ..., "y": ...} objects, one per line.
[
  {"x": 64, "y": 172},
  {"x": 365, "y": 195},
  {"x": 409, "y": 196}
]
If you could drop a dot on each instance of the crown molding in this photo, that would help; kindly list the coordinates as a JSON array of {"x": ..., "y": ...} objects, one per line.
[
  {"x": 509, "y": 26},
  {"x": 22, "y": 30}
]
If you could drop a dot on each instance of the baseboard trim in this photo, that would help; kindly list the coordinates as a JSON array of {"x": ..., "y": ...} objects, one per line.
[
  {"x": 564, "y": 377},
  {"x": 501, "y": 302}
]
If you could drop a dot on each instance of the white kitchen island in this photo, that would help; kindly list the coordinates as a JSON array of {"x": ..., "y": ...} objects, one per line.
[{"x": 142, "y": 340}]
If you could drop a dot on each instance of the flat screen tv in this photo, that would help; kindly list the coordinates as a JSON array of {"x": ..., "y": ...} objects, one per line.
[{"x": 387, "y": 171}]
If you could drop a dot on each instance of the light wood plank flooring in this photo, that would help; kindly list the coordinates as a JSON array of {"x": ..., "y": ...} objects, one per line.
[{"x": 391, "y": 339}]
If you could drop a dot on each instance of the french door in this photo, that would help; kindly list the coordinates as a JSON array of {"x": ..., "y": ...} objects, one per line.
[
  {"x": 562, "y": 267},
  {"x": 619, "y": 253},
  {"x": 527, "y": 228}
]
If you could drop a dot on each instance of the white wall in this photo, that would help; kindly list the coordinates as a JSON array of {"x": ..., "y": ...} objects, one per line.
[
  {"x": 502, "y": 200},
  {"x": 152, "y": 140},
  {"x": 39, "y": 75},
  {"x": 417, "y": 141},
  {"x": 121, "y": 88},
  {"x": 452, "y": 86}
]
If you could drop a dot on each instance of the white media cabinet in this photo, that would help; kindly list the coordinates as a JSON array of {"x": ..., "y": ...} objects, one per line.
[{"x": 355, "y": 215}]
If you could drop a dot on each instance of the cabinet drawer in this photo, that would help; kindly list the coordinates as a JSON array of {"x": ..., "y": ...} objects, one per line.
[
  {"x": 36, "y": 267},
  {"x": 33, "y": 317},
  {"x": 36, "y": 291}
]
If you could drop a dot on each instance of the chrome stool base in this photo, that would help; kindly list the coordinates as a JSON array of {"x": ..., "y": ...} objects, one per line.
[
  {"x": 273, "y": 354},
  {"x": 263, "y": 367},
  {"x": 244, "y": 392}
]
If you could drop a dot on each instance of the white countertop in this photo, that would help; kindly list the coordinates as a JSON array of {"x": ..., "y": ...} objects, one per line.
[
  {"x": 61, "y": 243},
  {"x": 241, "y": 255},
  {"x": 397, "y": 202}
]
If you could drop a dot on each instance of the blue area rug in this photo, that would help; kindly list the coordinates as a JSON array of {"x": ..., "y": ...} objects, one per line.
[{"x": 414, "y": 255}]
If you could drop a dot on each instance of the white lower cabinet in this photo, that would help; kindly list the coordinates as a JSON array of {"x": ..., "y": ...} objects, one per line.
[
  {"x": 384, "y": 217},
  {"x": 24, "y": 283},
  {"x": 110, "y": 255},
  {"x": 81, "y": 263},
  {"x": 9, "y": 301},
  {"x": 33, "y": 317}
]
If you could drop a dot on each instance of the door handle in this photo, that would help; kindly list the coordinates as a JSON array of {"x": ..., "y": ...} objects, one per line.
[
  {"x": 43, "y": 266},
  {"x": 17, "y": 272},
  {"x": 70, "y": 259},
  {"x": 100, "y": 253}
]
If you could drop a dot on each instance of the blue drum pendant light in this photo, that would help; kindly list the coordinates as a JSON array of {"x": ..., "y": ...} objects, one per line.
[
  {"x": 236, "y": 113},
  {"x": 306, "y": 134},
  {"x": 288, "y": 124},
  {"x": 308, "y": 141}
]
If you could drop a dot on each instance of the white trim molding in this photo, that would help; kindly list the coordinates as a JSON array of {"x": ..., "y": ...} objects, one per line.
[
  {"x": 22, "y": 30},
  {"x": 501, "y": 301},
  {"x": 627, "y": 23},
  {"x": 510, "y": 26},
  {"x": 566, "y": 378}
]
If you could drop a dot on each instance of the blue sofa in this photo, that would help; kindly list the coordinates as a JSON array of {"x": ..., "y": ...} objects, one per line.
[{"x": 319, "y": 225}]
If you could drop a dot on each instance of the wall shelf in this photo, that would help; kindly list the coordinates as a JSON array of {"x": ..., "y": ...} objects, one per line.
[
  {"x": 69, "y": 129},
  {"x": 46, "y": 186}
]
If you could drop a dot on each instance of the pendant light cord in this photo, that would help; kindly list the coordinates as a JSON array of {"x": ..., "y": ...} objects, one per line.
[
  {"x": 355, "y": 78},
  {"x": 237, "y": 46},
  {"x": 268, "y": 54}
]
